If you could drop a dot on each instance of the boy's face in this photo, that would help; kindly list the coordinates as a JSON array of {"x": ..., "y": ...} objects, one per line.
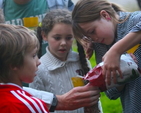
[
  {"x": 60, "y": 40},
  {"x": 27, "y": 72}
]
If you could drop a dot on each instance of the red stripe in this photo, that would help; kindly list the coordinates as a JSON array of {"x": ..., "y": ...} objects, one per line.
[
  {"x": 22, "y": 96},
  {"x": 43, "y": 104}
]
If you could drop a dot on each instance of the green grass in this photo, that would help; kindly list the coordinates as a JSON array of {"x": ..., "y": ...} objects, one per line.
[{"x": 109, "y": 106}]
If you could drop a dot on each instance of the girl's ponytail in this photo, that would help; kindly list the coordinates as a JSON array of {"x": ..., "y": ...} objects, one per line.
[{"x": 82, "y": 58}]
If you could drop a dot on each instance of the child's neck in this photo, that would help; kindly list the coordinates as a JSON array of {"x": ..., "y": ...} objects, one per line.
[{"x": 13, "y": 79}]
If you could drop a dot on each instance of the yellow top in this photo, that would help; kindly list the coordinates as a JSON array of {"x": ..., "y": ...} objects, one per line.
[{"x": 133, "y": 49}]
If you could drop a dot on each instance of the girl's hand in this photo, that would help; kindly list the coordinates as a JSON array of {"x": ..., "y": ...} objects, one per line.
[{"x": 111, "y": 67}]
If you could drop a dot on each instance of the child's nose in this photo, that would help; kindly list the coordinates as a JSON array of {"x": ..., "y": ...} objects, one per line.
[
  {"x": 63, "y": 42},
  {"x": 95, "y": 39},
  {"x": 38, "y": 62}
]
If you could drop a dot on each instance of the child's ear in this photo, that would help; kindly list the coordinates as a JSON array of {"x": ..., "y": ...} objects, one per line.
[
  {"x": 13, "y": 68},
  {"x": 104, "y": 14},
  {"x": 44, "y": 36}
]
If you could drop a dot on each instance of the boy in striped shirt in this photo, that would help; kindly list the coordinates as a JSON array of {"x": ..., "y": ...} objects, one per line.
[{"x": 18, "y": 63}]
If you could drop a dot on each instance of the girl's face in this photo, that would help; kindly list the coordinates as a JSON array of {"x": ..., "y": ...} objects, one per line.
[
  {"x": 60, "y": 40},
  {"x": 27, "y": 72},
  {"x": 99, "y": 31}
]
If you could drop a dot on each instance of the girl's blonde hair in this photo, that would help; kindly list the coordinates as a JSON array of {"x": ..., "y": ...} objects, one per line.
[
  {"x": 15, "y": 42},
  {"x": 88, "y": 11}
]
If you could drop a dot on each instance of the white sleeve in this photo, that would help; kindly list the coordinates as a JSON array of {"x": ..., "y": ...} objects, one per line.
[{"x": 47, "y": 97}]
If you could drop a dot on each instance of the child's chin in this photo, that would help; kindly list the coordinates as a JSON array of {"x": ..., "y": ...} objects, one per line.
[{"x": 29, "y": 81}]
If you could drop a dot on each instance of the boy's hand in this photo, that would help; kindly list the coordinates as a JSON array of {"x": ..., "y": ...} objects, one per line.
[{"x": 83, "y": 96}]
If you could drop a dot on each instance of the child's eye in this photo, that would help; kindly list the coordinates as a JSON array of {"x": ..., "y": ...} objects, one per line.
[
  {"x": 68, "y": 38},
  {"x": 34, "y": 55},
  {"x": 92, "y": 32},
  {"x": 57, "y": 38}
]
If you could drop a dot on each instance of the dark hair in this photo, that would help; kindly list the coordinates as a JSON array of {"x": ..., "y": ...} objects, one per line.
[{"x": 82, "y": 58}]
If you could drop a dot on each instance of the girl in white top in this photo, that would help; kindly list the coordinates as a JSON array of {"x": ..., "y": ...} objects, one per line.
[{"x": 60, "y": 63}]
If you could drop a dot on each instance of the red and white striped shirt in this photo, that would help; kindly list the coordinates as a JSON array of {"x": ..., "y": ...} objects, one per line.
[{"x": 13, "y": 99}]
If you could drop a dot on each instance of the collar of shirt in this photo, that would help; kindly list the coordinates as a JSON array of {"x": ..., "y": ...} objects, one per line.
[{"x": 52, "y": 63}]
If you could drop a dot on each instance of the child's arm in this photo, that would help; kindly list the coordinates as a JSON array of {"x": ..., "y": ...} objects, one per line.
[
  {"x": 112, "y": 57},
  {"x": 83, "y": 96}
]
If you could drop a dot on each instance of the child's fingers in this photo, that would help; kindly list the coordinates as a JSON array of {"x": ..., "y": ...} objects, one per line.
[
  {"x": 106, "y": 74},
  {"x": 108, "y": 77},
  {"x": 114, "y": 76},
  {"x": 104, "y": 71},
  {"x": 120, "y": 73},
  {"x": 110, "y": 73}
]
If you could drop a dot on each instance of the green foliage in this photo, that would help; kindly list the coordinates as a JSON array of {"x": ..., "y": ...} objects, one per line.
[{"x": 109, "y": 106}]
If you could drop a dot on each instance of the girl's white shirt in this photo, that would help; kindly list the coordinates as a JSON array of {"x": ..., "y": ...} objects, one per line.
[{"x": 55, "y": 75}]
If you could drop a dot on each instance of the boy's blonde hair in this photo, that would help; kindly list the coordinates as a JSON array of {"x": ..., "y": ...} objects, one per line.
[{"x": 15, "y": 42}]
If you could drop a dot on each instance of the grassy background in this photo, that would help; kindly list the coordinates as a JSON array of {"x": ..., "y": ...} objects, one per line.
[{"x": 109, "y": 106}]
